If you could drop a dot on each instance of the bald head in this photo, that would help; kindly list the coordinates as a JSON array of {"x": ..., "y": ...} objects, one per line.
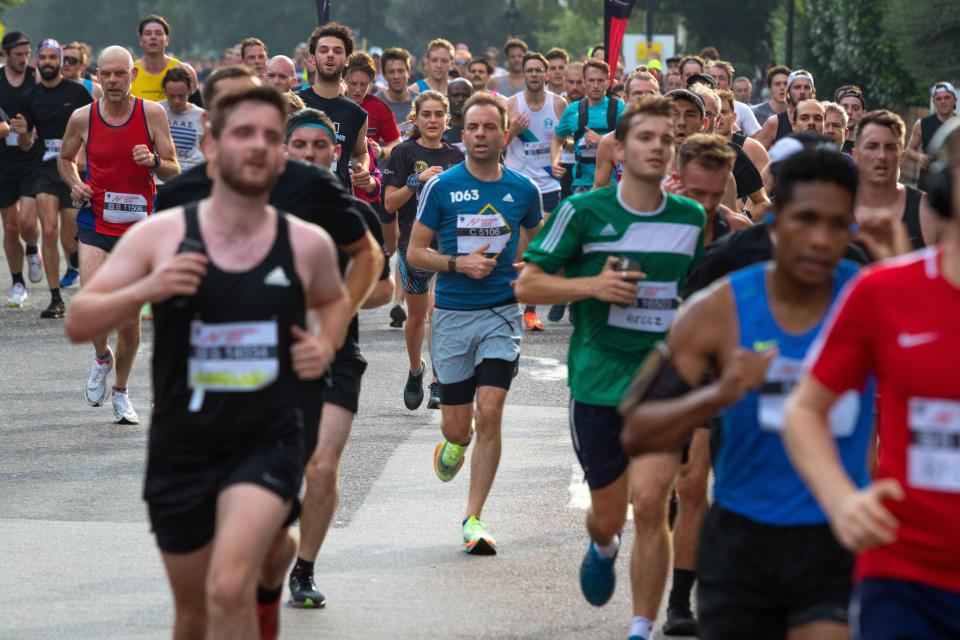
[
  {"x": 281, "y": 73},
  {"x": 116, "y": 55},
  {"x": 116, "y": 74}
]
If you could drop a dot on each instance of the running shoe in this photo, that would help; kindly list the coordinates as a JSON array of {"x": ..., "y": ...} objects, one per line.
[
  {"x": 597, "y": 577},
  {"x": 397, "y": 316},
  {"x": 122, "y": 409},
  {"x": 476, "y": 539},
  {"x": 531, "y": 321},
  {"x": 70, "y": 278},
  {"x": 556, "y": 312},
  {"x": 146, "y": 311},
  {"x": 268, "y": 615},
  {"x": 304, "y": 593},
  {"x": 680, "y": 622},
  {"x": 96, "y": 390},
  {"x": 34, "y": 267},
  {"x": 18, "y": 295},
  {"x": 413, "y": 391},
  {"x": 55, "y": 310},
  {"x": 448, "y": 459},
  {"x": 433, "y": 402}
]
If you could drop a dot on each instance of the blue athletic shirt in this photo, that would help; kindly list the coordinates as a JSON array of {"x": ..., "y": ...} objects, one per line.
[
  {"x": 754, "y": 476},
  {"x": 467, "y": 213}
]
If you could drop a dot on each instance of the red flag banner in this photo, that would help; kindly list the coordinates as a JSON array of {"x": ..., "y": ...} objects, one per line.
[{"x": 616, "y": 15}]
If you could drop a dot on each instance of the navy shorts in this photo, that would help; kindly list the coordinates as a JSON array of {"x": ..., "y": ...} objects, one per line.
[
  {"x": 595, "y": 431},
  {"x": 100, "y": 241},
  {"x": 550, "y": 200},
  {"x": 892, "y": 609}
]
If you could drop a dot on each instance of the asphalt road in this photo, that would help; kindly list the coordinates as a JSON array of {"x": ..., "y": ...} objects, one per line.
[{"x": 77, "y": 559}]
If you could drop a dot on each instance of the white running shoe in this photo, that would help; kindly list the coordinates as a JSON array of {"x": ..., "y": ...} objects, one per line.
[
  {"x": 122, "y": 409},
  {"x": 35, "y": 267},
  {"x": 96, "y": 390},
  {"x": 18, "y": 294}
]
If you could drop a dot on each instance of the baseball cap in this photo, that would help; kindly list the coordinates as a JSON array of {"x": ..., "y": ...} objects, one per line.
[
  {"x": 14, "y": 39},
  {"x": 702, "y": 78},
  {"x": 375, "y": 51},
  {"x": 690, "y": 96},
  {"x": 653, "y": 63}
]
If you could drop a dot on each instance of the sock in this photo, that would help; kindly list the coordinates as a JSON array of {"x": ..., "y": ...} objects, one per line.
[
  {"x": 105, "y": 358},
  {"x": 530, "y": 307},
  {"x": 268, "y": 596},
  {"x": 74, "y": 259},
  {"x": 683, "y": 580},
  {"x": 417, "y": 373},
  {"x": 18, "y": 278},
  {"x": 302, "y": 566},
  {"x": 119, "y": 389},
  {"x": 641, "y": 627},
  {"x": 608, "y": 550},
  {"x": 55, "y": 295},
  {"x": 32, "y": 249}
]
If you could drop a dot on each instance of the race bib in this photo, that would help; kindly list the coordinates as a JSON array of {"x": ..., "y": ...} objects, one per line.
[
  {"x": 656, "y": 304},
  {"x": 475, "y": 230},
  {"x": 537, "y": 151},
  {"x": 124, "y": 208},
  {"x": 587, "y": 150},
  {"x": 933, "y": 455},
  {"x": 567, "y": 157},
  {"x": 52, "y": 149},
  {"x": 13, "y": 139},
  {"x": 232, "y": 356},
  {"x": 782, "y": 377}
]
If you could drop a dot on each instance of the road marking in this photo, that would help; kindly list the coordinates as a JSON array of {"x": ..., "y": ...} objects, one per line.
[{"x": 580, "y": 492}]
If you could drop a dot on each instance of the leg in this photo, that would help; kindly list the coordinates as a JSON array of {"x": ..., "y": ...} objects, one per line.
[
  {"x": 68, "y": 231},
  {"x": 819, "y": 630},
  {"x": 692, "y": 508},
  {"x": 608, "y": 511},
  {"x": 128, "y": 343},
  {"x": 187, "y": 573},
  {"x": 248, "y": 517},
  {"x": 29, "y": 224},
  {"x": 486, "y": 452},
  {"x": 455, "y": 422},
  {"x": 11, "y": 237},
  {"x": 279, "y": 555},
  {"x": 414, "y": 330},
  {"x": 48, "y": 210},
  {"x": 91, "y": 259}
]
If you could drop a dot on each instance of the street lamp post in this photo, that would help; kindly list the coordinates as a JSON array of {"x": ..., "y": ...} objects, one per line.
[{"x": 513, "y": 17}]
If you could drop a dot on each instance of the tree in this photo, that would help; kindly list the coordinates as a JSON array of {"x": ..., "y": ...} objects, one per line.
[
  {"x": 740, "y": 30},
  {"x": 935, "y": 24}
]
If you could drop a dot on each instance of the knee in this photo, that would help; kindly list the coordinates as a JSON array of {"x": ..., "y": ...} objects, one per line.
[
  {"x": 50, "y": 234},
  {"x": 488, "y": 422},
  {"x": 322, "y": 472},
  {"x": 230, "y": 589},
  {"x": 10, "y": 225},
  {"x": 129, "y": 331},
  {"x": 608, "y": 523},
  {"x": 692, "y": 488},
  {"x": 649, "y": 507}
]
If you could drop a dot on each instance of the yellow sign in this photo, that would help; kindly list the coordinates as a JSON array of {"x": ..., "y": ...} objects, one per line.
[
  {"x": 3, "y": 29},
  {"x": 649, "y": 50}
]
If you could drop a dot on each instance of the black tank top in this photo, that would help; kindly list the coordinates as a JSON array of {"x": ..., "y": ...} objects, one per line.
[
  {"x": 784, "y": 128},
  {"x": 911, "y": 218},
  {"x": 928, "y": 129},
  {"x": 222, "y": 372}
]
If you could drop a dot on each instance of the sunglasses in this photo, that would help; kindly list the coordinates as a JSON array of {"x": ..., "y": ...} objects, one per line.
[{"x": 70, "y": 60}]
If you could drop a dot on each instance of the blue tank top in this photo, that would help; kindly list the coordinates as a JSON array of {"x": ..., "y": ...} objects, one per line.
[
  {"x": 754, "y": 476},
  {"x": 88, "y": 84},
  {"x": 422, "y": 85}
]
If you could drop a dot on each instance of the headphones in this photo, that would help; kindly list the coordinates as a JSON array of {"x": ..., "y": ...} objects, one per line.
[{"x": 939, "y": 182}]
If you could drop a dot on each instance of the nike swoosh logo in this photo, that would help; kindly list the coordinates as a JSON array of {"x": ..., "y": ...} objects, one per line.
[{"x": 909, "y": 340}]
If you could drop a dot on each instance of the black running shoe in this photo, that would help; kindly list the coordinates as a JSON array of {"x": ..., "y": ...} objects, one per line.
[
  {"x": 397, "y": 316},
  {"x": 55, "y": 310},
  {"x": 680, "y": 622},
  {"x": 413, "y": 391},
  {"x": 556, "y": 312},
  {"x": 434, "y": 401},
  {"x": 304, "y": 592}
]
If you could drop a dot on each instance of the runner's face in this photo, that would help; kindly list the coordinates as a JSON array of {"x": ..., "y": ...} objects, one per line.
[
  {"x": 727, "y": 117},
  {"x": 596, "y": 82},
  {"x": 73, "y": 64},
  {"x": 945, "y": 102},
  {"x": 358, "y": 86},
  {"x": 810, "y": 117},
  {"x": 255, "y": 57},
  {"x": 647, "y": 150},
  {"x": 878, "y": 154},
  {"x": 704, "y": 185},
  {"x": 723, "y": 80},
  {"x": 854, "y": 109},
  {"x": 573, "y": 84},
  {"x": 479, "y": 76},
  {"x": 177, "y": 94},
  {"x": 483, "y": 133},
  {"x": 534, "y": 75},
  {"x": 712, "y": 103},
  {"x": 641, "y": 89},
  {"x": 154, "y": 39},
  {"x": 431, "y": 119},
  {"x": 778, "y": 87},
  {"x": 689, "y": 120},
  {"x": 281, "y": 75},
  {"x": 672, "y": 81},
  {"x": 18, "y": 57},
  {"x": 515, "y": 59},
  {"x": 116, "y": 78},
  {"x": 313, "y": 145},
  {"x": 555, "y": 72},
  {"x": 438, "y": 64},
  {"x": 801, "y": 90},
  {"x": 331, "y": 57},
  {"x": 458, "y": 94},
  {"x": 249, "y": 152},
  {"x": 397, "y": 75},
  {"x": 812, "y": 231},
  {"x": 833, "y": 128},
  {"x": 742, "y": 91},
  {"x": 689, "y": 69},
  {"x": 48, "y": 62}
]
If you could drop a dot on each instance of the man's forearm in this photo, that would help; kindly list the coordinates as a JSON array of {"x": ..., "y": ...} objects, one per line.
[
  {"x": 95, "y": 313},
  {"x": 68, "y": 172},
  {"x": 663, "y": 425},
  {"x": 168, "y": 168},
  {"x": 428, "y": 259},
  {"x": 363, "y": 272},
  {"x": 544, "y": 288}
]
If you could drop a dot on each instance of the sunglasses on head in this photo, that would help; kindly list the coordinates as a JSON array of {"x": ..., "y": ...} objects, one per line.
[{"x": 70, "y": 60}]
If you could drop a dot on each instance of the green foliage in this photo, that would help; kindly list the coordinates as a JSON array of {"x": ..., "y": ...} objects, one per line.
[
  {"x": 740, "y": 30},
  {"x": 927, "y": 35},
  {"x": 573, "y": 32}
]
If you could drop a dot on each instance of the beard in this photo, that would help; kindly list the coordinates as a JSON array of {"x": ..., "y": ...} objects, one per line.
[
  {"x": 49, "y": 73},
  {"x": 231, "y": 172},
  {"x": 331, "y": 77}
]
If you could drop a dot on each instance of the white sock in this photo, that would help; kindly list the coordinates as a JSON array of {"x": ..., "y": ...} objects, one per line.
[
  {"x": 608, "y": 550},
  {"x": 641, "y": 627}
]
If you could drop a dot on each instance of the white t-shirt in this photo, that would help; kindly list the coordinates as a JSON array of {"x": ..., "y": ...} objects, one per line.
[
  {"x": 186, "y": 129},
  {"x": 746, "y": 119}
]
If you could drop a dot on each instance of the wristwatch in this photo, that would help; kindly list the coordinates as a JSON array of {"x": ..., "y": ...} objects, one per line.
[
  {"x": 156, "y": 159},
  {"x": 452, "y": 265},
  {"x": 413, "y": 182}
]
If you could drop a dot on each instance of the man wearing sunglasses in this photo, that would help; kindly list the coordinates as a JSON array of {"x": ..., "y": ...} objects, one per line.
[{"x": 76, "y": 56}]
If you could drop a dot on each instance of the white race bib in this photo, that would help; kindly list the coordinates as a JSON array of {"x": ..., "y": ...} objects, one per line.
[
  {"x": 587, "y": 150},
  {"x": 933, "y": 455},
  {"x": 567, "y": 157},
  {"x": 13, "y": 139},
  {"x": 782, "y": 377},
  {"x": 124, "y": 208},
  {"x": 475, "y": 230},
  {"x": 52, "y": 149},
  {"x": 232, "y": 356},
  {"x": 537, "y": 151},
  {"x": 653, "y": 311}
]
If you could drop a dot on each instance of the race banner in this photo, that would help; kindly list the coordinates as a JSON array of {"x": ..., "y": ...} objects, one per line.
[{"x": 616, "y": 15}]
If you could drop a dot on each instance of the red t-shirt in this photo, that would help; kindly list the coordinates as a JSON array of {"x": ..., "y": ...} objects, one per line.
[
  {"x": 900, "y": 321},
  {"x": 381, "y": 125}
]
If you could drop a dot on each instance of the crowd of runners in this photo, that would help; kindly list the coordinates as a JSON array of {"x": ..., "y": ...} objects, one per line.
[{"x": 762, "y": 348}]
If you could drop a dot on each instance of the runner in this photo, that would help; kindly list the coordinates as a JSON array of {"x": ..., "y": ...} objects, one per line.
[
  {"x": 943, "y": 95},
  {"x": 895, "y": 323},
  {"x": 458, "y": 92},
  {"x": 690, "y": 65},
  {"x": 557, "y": 60},
  {"x": 127, "y": 141},
  {"x": 672, "y": 81},
  {"x": 776, "y": 78},
  {"x": 282, "y": 73},
  {"x": 76, "y": 56},
  {"x": 850, "y": 97},
  {"x": 154, "y": 33},
  {"x": 186, "y": 119},
  {"x": 226, "y": 434},
  {"x": 605, "y": 241},
  {"x": 533, "y": 115},
  {"x": 754, "y": 150},
  {"x": 878, "y": 153},
  {"x": 310, "y": 137},
  {"x": 477, "y": 212},
  {"x": 638, "y": 85},
  {"x": 44, "y": 111},
  {"x": 835, "y": 121},
  {"x": 254, "y": 54},
  {"x": 438, "y": 63},
  {"x": 722, "y": 71},
  {"x": 396, "y": 70},
  {"x": 743, "y": 90},
  {"x": 799, "y": 88},
  {"x": 768, "y": 566},
  {"x": 808, "y": 116},
  {"x": 574, "y": 87},
  {"x": 381, "y": 125},
  {"x": 412, "y": 164},
  {"x": 331, "y": 45},
  {"x": 480, "y": 71},
  {"x": 512, "y": 82}
]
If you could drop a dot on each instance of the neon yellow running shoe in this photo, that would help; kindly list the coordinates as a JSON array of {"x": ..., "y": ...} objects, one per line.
[
  {"x": 448, "y": 459},
  {"x": 478, "y": 542},
  {"x": 146, "y": 311}
]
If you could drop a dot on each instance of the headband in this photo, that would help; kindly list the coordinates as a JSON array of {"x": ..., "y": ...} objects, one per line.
[
  {"x": 293, "y": 126},
  {"x": 850, "y": 93},
  {"x": 50, "y": 43},
  {"x": 796, "y": 75}
]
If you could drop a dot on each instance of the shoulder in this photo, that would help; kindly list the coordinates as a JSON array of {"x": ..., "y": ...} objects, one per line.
[
  {"x": 152, "y": 108},
  {"x": 701, "y": 318},
  {"x": 303, "y": 173},
  {"x": 306, "y": 238},
  {"x": 82, "y": 114}
]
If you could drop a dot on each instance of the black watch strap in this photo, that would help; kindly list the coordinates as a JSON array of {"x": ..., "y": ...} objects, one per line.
[{"x": 452, "y": 265}]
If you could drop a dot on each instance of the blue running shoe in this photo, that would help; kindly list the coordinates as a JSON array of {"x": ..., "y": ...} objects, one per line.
[
  {"x": 556, "y": 312},
  {"x": 69, "y": 278},
  {"x": 597, "y": 576}
]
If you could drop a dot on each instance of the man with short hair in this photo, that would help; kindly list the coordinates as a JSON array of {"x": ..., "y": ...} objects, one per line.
[
  {"x": 381, "y": 125},
  {"x": 282, "y": 73},
  {"x": 511, "y": 82},
  {"x": 799, "y": 87},
  {"x": 76, "y": 55},
  {"x": 479, "y": 71},
  {"x": 396, "y": 71},
  {"x": 743, "y": 91},
  {"x": 437, "y": 64},
  {"x": 458, "y": 92},
  {"x": 154, "y": 34},
  {"x": 186, "y": 119},
  {"x": 722, "y": 71},
  {"x": 835, "y": 124},
  {"x": 476, "y": 327},
  {"x": 254, "y": 54},
  {"x": 638, "y": 85},
  {"x": 808, "y": 115},
  {"x": 557, "y": 60},
  {"x": 776, "y": 79},
  {"x": 672, "y": 81},
  {"x": 943, "y": 96},
  {"x": 691, "y": 64},
  {"x": 754, "y": 150},
  {"x": 850, "y": 97},
  {"x": 573, "y": 84}
]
